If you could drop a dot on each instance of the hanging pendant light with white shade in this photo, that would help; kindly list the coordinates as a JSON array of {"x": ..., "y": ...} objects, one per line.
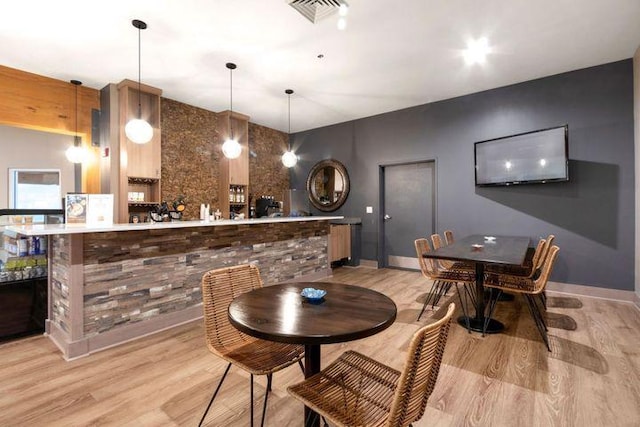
[
  {"x": 231, "y": 148},
  {"x": 76, "y": 153},
  {"x": 289, "y": 159},
  {"x": 137, "y": 129}
]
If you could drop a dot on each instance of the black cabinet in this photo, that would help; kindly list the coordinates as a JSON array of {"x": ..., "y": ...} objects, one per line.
[{"x": 23, "y": 308}]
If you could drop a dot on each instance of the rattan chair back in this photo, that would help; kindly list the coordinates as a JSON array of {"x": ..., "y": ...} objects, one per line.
[
  {"x": 437, "y": 244},
  {"x": 540, "y": 282},
  {"x": 428, "y": 266},
  {"x": 219, "y": 288},
  {"x": 448, "y": 237},
  {"x": 420, "y": 373},
  {"x": 539, "y": 256},
  {"x": 436, "y": 241},
  {"x": 549, "y": 242}
]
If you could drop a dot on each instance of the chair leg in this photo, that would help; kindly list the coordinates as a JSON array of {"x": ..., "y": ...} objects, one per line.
[
  {"x": 464, "y": 307},
  {"x": 214, "y": 394},
  {"x": 301, "y": 366},
  {"x": 266, "y": 396},
  {"x": 492, "y": 306},
  {"x": 537, "y": 318},
  {"x": 432, "y": 291},
  {"x": 543, "y": 298},
  {"x": 251, "y": 399},
  {"x": 442, "y": 290}
]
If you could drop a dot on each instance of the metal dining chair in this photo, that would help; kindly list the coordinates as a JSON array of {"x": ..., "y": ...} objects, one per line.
[
  {"x": 256, "y": 356},
  {"x": 356, "y": 390}
]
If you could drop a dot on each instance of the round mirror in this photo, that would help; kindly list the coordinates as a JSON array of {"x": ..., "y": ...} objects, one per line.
[{"x": 328, "y": 185}]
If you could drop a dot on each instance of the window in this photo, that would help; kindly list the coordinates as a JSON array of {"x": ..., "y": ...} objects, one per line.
[{"x": 35, "y": 189}]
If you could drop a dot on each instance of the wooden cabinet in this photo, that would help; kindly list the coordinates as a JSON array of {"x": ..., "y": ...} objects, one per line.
[
  {"x": 140, "y": 164},
  {"x": 339, "y": 242},
  {"x": 234, "y": 173}
]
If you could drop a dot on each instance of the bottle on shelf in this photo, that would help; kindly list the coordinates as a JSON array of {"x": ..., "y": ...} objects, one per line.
[{"x": 232, "y": 194}]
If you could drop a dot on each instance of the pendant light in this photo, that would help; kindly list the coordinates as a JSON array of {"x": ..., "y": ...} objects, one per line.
[
  {"x": 76, "y": 153},
  {"x": 231, "y": 147},
  {"x": 289, "y": 159},
  {"x": 139, "y": 130}
]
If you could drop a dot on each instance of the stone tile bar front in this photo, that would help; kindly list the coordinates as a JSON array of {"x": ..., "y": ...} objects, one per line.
[{"x": 108, "y": 285}]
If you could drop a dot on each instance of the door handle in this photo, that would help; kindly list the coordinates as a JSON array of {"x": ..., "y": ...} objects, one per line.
[{"x": 386, "y": 217}]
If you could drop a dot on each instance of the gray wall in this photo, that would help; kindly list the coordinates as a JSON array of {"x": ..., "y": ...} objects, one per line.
[{"x": 592, "y": 216}]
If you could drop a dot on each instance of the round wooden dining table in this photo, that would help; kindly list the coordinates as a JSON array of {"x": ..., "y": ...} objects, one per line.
[{"x": 279, "y": 313}]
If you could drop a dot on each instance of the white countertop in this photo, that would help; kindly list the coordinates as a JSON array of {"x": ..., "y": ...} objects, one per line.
[{"x": 50, "y": 229}]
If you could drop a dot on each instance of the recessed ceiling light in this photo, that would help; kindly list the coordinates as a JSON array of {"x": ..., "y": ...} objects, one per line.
[{"x": 476, "y": 51}]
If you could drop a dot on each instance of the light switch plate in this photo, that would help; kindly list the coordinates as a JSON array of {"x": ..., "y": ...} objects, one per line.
[{"x": 369, "y": 209}]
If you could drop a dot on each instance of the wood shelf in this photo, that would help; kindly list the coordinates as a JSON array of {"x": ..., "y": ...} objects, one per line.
[
  {"x": 135, "y": 180},
  {"x": 234, "y": 172},
  {"x": 141, "y": 171},
  {"x": 142, "y": 204}
]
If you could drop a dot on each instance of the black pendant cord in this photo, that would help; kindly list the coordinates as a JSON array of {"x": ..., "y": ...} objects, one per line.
[
  {"x": 289, "y": 92},
  {"x": 139, "y": 72},
  {"x": 231, "y": 101},
  {"x": 289, "y": 114},
  {"x": 75, "y": 140},
  {"x": 289, "y": 95},
  {"x": 140, "y": 25},
  {"x": 76, "y": 83},
  {"x": 231, "y": 66}
]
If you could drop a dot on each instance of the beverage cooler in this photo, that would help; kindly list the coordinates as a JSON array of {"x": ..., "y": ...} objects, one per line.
[{"x": 23, "y": 273}]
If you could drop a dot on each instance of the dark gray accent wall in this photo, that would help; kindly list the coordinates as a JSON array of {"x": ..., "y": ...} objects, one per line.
[{"x": 592, "y": 216}]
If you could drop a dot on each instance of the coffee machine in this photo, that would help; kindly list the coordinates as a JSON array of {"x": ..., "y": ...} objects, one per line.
[{"x": 266, "y": 206}]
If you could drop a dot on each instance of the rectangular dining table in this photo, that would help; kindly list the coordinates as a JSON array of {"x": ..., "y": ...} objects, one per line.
[
  {"x": 279, "y": 313},
  {"x": 482, "y": 250}
]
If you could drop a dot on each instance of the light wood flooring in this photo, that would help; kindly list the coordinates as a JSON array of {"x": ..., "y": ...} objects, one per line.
[{"x": 590, "y": 378}]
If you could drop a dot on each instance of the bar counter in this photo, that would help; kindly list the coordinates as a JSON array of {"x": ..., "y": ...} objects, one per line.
[{"x": 111, "y": 284}]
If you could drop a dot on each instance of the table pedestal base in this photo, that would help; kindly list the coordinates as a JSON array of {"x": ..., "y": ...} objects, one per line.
[
  {"x": 311, "y": 367},
  {"x": 476, "y": 325}
]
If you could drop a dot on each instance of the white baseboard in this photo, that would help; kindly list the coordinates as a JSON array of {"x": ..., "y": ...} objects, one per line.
[
  {"x": 594, "y": 292},
  {"x": 368, "y": 263},
  {"x": 404, "y": 262}
]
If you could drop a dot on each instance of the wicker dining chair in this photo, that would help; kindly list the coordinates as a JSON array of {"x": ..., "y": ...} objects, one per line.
[
  {"x": 448, "y": 264},
  {"x": 528, "y": 287},
  {"x": 256, "y": 356},
  {"x": 356, "y": 390},
  {"x": 448, "y": 237},
  {"x": 543, "y": 294},
  {"x": 532, "y": 263},
  {"x": 442, "y": 278},
  {"x": 436, "y": 241}
]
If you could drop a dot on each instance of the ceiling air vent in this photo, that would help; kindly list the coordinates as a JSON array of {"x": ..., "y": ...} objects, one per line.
[{"x": 315, "y": 10}]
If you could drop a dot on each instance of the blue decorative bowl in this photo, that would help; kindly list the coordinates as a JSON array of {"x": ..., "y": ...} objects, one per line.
[{"x": 313, "y": 296}]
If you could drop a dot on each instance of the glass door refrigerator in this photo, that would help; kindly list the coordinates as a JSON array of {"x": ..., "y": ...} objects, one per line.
[{"x": 23, "y": 273}]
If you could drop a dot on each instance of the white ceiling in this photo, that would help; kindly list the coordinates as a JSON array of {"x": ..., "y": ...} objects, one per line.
[{"x": 394, "y": 53}]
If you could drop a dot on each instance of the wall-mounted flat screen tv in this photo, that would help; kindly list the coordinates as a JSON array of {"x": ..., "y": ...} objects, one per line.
[{"x": 540, "y": 156}]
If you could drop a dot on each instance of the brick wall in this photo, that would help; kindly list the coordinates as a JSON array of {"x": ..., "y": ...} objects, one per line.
[{"x": 191, "y": 157}]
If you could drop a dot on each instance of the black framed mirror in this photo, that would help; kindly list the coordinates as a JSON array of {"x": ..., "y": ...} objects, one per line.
[{"x": 328, "y": 185}]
